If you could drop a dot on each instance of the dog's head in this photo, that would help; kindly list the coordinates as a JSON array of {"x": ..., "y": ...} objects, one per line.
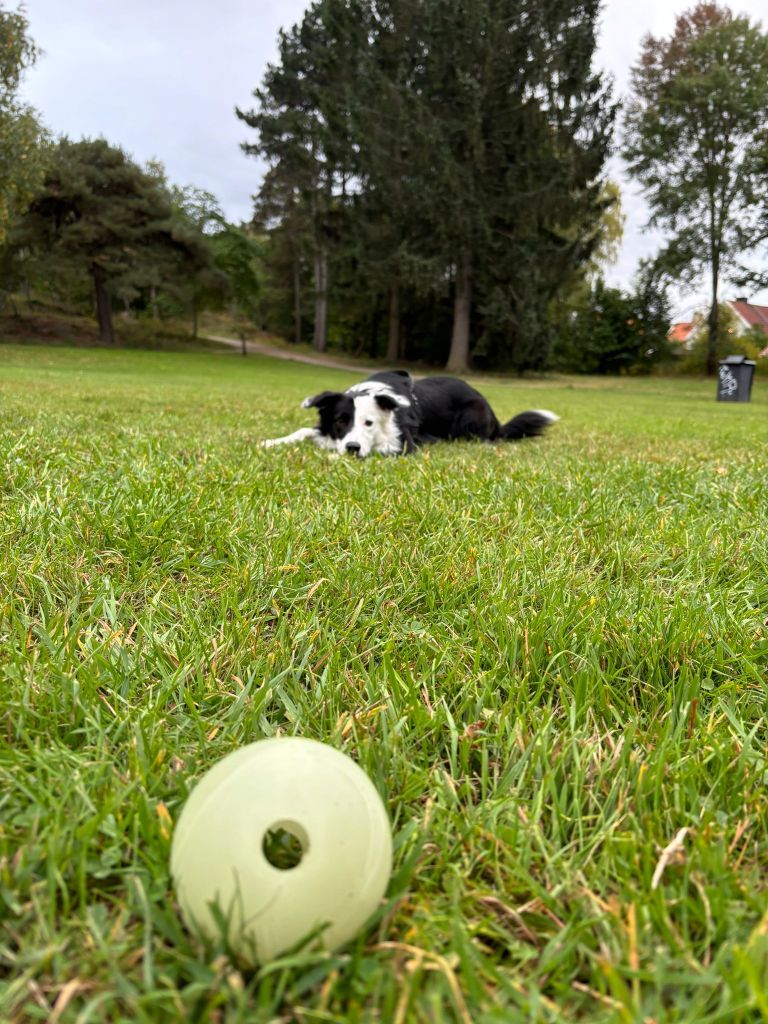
[{"x": 361, "y": 420}]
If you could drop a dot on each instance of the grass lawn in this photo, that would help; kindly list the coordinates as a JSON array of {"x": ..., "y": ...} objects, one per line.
[{"x": 549, "y": 657}]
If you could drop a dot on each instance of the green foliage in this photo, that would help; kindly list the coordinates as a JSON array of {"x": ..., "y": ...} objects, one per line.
[
  {"x": 565, "y": 669},
  {"x": 198, "y": 206},
  {"x": 697, "y": 140},
  {"x": 22, "y": 139},
  {"x": 302, "y": 121},
  {"x": 607, "y": 330},
  {"x": 196, "y": 282},
  {"x": 238, "y": 257},
  {"x": 540, "y": 190},
  {"x": 101, "y": 216},
  {"x": 758, "y": 341},
  {"x": 419, "y": 150}
]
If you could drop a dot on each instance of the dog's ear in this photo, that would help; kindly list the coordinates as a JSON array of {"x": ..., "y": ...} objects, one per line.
[
  {"x": 318, "y": 401},
  {"x": 403, "y": 373},
  {"x": 390, "y": 401}
]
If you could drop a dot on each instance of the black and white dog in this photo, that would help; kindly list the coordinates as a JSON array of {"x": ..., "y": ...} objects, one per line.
[{"x": 393, "y": 414}]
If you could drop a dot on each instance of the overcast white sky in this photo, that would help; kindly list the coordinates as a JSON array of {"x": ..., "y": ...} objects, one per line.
[{"x": 162, "y": 77}]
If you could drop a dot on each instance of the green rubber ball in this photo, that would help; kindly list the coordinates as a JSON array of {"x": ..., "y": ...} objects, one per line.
[{"x": 282, "y": 839}]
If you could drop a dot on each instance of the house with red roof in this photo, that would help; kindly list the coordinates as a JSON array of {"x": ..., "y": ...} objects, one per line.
[
  {"x": 679, "y": 333},
  {"x": 747, "y": 316}
]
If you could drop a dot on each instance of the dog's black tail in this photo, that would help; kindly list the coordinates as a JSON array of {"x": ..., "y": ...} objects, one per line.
[{"x": 527, "y": 424}]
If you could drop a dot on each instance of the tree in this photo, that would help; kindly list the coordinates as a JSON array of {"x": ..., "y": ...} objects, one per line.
[
  {"x": 303, "y": 127},
  {"x": 608, "y": 233},
  {"x": 440, "y": 148},
  {"x": 520, "y": 127},
  {"x": 198, "y": 206},
  {"x": 393, "y": 161},
  {"x": 554, "y": 213},
  {"x": 22, "y": 153},
  {"x": 237, "y": 255},
  {"x": 99, "y": 211},
  {"x": 195, "y": 282},
  {"x": 196, "y": 218},
  {"x": 697, "y": 141},
  {"x": 282, "y": 212},
  {"x": 612, "y": 331}
]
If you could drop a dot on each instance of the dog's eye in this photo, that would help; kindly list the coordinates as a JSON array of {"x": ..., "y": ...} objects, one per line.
[{"x": 369, "y": 423}]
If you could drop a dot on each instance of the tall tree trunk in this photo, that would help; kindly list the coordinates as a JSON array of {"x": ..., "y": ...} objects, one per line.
[
  {"x": 321, "y": 193},
  {"x": 153, "y": 302},
  {"x": 103, "y": 306},
  {"x": 320, "y": 339},
  {"x": 194, "y": 316},
  {"x": 458, "y": 357},
  {"x": 296, "y": 298},
  {"x": 393, "y": 335},
  {"x": 714, "y": 321}
]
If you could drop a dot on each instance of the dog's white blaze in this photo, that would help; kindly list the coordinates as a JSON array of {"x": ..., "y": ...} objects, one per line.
[
  {"x": 368, "y": 387},
  {"x": 374, "y": 429}
]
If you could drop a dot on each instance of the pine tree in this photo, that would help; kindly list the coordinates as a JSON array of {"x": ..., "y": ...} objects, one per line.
[
  {"x": 501, "y": 141},
  {"x": 303, "y": 126},
  {"x": 283, "y": 213},
  {"x": 392, "y": 164},
  {"x": 523, "y": 130},
  {"x": 441, "y": 143},
  {"x": 99, "y": 211}
]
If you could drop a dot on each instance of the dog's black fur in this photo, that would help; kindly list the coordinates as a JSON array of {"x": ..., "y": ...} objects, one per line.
[{"x": 428, "y": 410}]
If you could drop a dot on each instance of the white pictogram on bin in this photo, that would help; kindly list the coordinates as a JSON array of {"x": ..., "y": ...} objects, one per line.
[{"x": 728, "y": 383}]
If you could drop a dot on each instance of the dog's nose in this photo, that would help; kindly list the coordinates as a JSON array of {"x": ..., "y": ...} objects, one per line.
[{"x": 354, "y": 447}]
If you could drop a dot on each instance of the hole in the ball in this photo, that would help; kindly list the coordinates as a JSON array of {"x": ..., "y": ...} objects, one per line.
[{"x": 284, "y": 845}]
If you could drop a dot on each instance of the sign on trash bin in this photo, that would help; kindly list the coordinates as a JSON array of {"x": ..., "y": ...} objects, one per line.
[{"x": 734, "y": 382}]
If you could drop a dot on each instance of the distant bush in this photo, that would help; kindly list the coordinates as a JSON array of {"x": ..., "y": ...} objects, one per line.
[{"x": 609, "y": 331}]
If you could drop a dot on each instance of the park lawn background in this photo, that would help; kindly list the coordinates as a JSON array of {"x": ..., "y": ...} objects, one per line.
[{"x": 550, "y": 658}]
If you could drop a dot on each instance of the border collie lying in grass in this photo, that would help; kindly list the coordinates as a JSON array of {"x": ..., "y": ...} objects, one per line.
[{"x": 392, "y": 414}]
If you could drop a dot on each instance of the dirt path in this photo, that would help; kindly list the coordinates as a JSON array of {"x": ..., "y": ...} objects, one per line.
[{"x": 261, "y": 348}]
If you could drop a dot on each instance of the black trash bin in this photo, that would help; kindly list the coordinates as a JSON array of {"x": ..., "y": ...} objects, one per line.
[{"x": 734, "y": 382}]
